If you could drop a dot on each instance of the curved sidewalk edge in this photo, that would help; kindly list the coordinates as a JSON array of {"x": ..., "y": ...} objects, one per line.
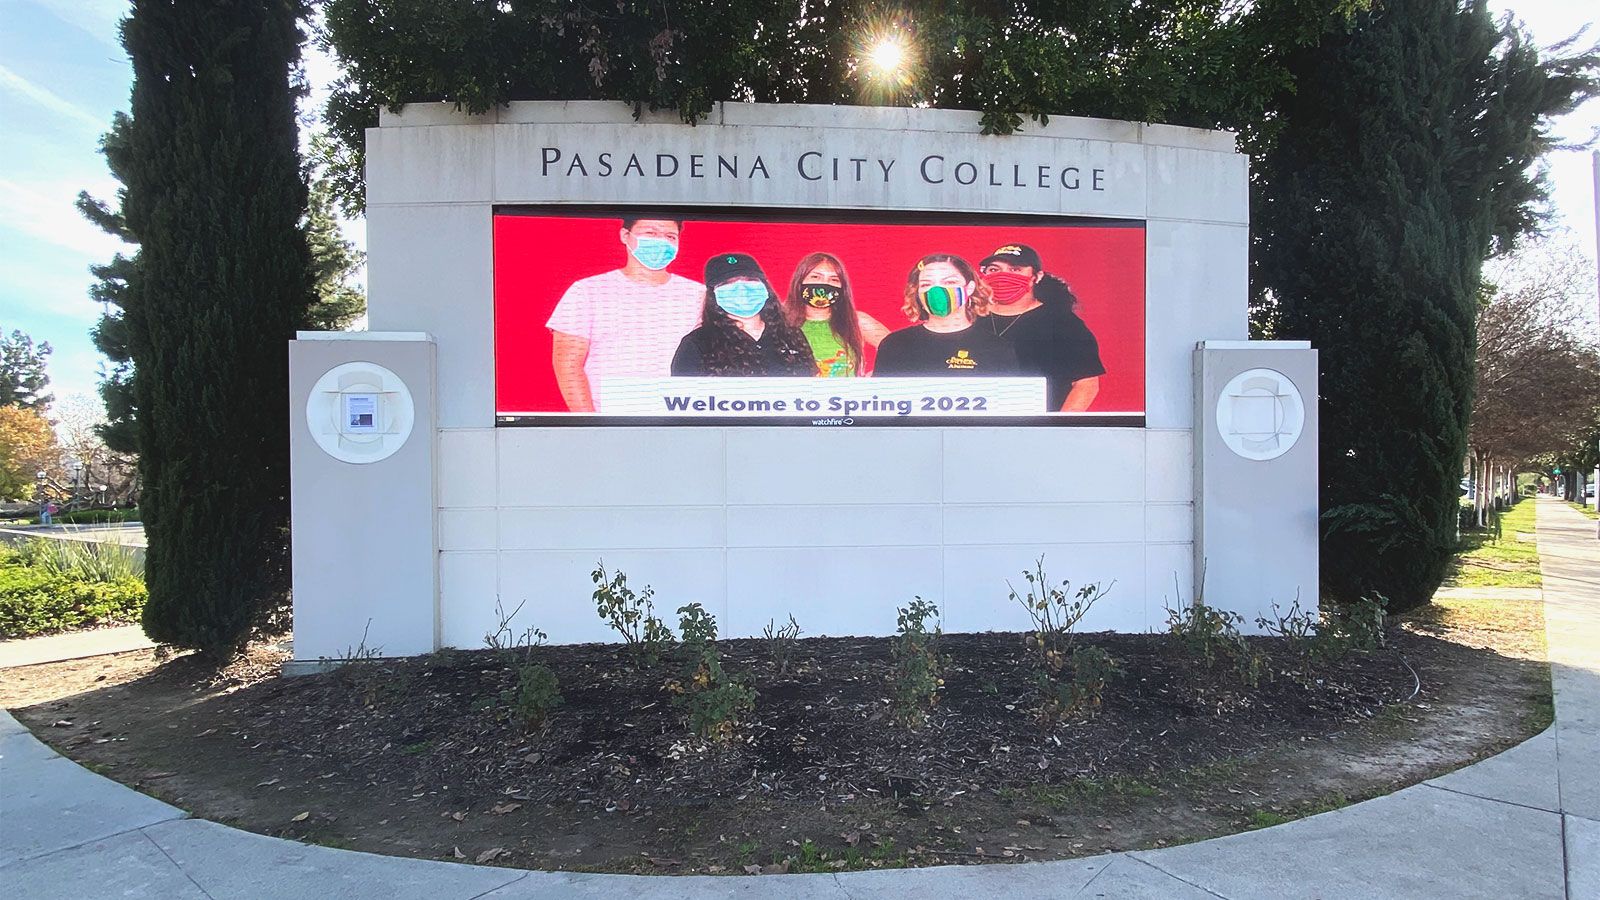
[
  {"x": 1522, "y": 824},
  {"x": 1484, "y": 831}
]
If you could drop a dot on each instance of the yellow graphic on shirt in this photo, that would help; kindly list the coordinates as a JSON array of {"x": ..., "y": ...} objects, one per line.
[{"x": 962, "y": 360}]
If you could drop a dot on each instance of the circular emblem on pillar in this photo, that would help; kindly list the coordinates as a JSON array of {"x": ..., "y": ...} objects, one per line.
[
  {"x": 1260, "y": 414},
  {"x": 360, "y": 412}
]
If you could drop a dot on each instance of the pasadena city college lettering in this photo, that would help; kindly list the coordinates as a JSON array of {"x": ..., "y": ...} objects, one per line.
[{"x": 816, "y": 166}]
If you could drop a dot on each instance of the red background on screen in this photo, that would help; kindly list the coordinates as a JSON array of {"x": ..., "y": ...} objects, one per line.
[{"x": 536, "y": 258}]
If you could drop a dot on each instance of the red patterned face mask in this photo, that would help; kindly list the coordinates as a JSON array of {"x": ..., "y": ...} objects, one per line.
[{"x": 1008, "y": 287}]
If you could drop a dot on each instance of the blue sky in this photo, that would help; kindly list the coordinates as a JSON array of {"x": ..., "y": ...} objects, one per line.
[{"x": 63, "y": 73}]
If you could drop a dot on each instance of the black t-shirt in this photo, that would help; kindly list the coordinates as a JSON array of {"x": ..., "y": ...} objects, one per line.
[
  {"x": 971, "y": 351},
  {"x": 770, "y": 359},
  {"x": 1052, "y": 341}
]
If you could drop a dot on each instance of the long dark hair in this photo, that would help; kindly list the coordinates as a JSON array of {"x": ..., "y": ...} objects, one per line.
[
  {"x": 1053, "y": 291},
  {"x": 841, "y": 317},
  {"x": 729, "y": 351}
]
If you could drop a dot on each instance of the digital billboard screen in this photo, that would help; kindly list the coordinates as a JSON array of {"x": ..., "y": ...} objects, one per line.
[{"x": 639, "y": 316}]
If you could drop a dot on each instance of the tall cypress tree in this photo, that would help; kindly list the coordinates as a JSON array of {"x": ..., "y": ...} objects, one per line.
[
  {"x": 1403, "y": 161},
  {"x": 216, "y": 195}
]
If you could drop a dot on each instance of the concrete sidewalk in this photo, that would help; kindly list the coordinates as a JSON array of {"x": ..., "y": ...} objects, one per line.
[
  {"x": 73, "y": 645},
  {"x": 1522, "y": 824}
]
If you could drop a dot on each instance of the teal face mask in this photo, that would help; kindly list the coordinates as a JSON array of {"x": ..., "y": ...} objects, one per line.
[
  {"x": 942, "y": 300},
  {"x": 655, "y": 253},
  {"x": 741, "y": 298}
]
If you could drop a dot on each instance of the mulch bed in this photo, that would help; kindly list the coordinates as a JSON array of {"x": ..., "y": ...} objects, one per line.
[
  {"x": 421, "y": 758},
  {"x": 822, "y": 735}
]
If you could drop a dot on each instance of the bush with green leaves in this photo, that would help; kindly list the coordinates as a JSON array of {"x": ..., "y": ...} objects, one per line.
[
  {"x": 1092, "y": 667},
  {"x": 917, "y": 663},
  {"x": 34, "y": 601},
  {"x": 1356, "y": 626},
  {"x": 631, "y": 615},
  {"x": 1056, "y": 611},
  {"x": 1213, "y": 635},
  {"x": 538, "y": 691},
  {"x": 537, "y": 694},
  {"x": 714, "y": 700},
  {"x": 1340, "y": 629}
]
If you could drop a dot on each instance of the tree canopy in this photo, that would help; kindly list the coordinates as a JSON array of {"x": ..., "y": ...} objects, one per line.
[
  {"x": 23, "y": 378},
  {"x": 1537, "y": 362},
  {"x": 1209, "y": 63},
  {"x": 1403, "y": 161},
  {"x": 27, "y": 447}
]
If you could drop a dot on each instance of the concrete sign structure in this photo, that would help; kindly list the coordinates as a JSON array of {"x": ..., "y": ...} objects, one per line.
[{"x": 460, "y": 454}]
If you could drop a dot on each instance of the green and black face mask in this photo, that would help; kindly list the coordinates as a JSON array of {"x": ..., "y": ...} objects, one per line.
[{"x": 819, "y": 296}]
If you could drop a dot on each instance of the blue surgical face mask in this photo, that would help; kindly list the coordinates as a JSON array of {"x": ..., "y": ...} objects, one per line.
[
  {"x": 655, "y": 253},
  {"x": 741, "y": 298}
]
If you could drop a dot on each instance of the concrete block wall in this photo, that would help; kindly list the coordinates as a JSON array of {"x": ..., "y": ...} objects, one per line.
[{"x": 717, "y": 514}]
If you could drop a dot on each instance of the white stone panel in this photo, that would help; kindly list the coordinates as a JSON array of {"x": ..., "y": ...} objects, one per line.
[
  {"x": 1169, "y": 465},
  {"x": 467, "y": 591},
  {"x": 466, "y": 468},
  {"x": 1198, "y": 185},
  {"x": 466, "y": 529},
  {"x": 1169, "y": 580},
  {"x": 1196, "y": 287},
  {"x": 611, "y": 466},
  {"x": 601, "y": 528},
  {"x": 977, "y": 598},
  {"x": 927, "y": 170},
  {"x": 834, "y": 525},
  {"x": 559, "y": 591},
  {"x": 430, "y": 165},
  {"x": 833, "y": 465},
  {"x": 1043, "y": 523},
  {"x": 802, "y": 115},
  {"x": 1169, "y": 523},
  {"x": 1043, "y": 465},
  {"x": 832, "y": 590},
  {"x": 432, "y": 267}
]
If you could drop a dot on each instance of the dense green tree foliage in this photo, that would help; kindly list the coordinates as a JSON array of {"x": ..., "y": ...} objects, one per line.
[
  {"x": 216, "y": 196},
  {"x": 1184, "y": 62},
  {"x": 1403, "y": 161},
  {"x": 23, "y": 379},
  {"x": 112, "y": 289},
  {"x": 335, "y": 262}
]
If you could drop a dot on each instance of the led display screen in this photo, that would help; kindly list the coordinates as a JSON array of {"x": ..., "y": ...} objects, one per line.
[{"x": 641, "y": 316}]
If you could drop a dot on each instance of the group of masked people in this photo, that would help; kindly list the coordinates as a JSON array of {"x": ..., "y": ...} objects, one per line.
[{"x": 1005, "y": 317}]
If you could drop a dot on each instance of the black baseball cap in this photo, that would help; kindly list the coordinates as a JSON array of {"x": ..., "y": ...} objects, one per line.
[
  {"x": 1016, "y": 255},
  {"x": 722, "y": 267}
]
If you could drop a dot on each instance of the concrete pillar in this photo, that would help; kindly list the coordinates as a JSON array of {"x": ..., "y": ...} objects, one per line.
[
  {"x": 362, "y": 448},
  {"x": 1256, "y": 483}
]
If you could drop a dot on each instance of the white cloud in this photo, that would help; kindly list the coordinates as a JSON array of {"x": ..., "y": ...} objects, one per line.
[
  {"x": 53, "y": 295},
  {"x": 97, "y": 18},
  {"x": 45, "y": 212},
  {"x": 22, "y": 87}
]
